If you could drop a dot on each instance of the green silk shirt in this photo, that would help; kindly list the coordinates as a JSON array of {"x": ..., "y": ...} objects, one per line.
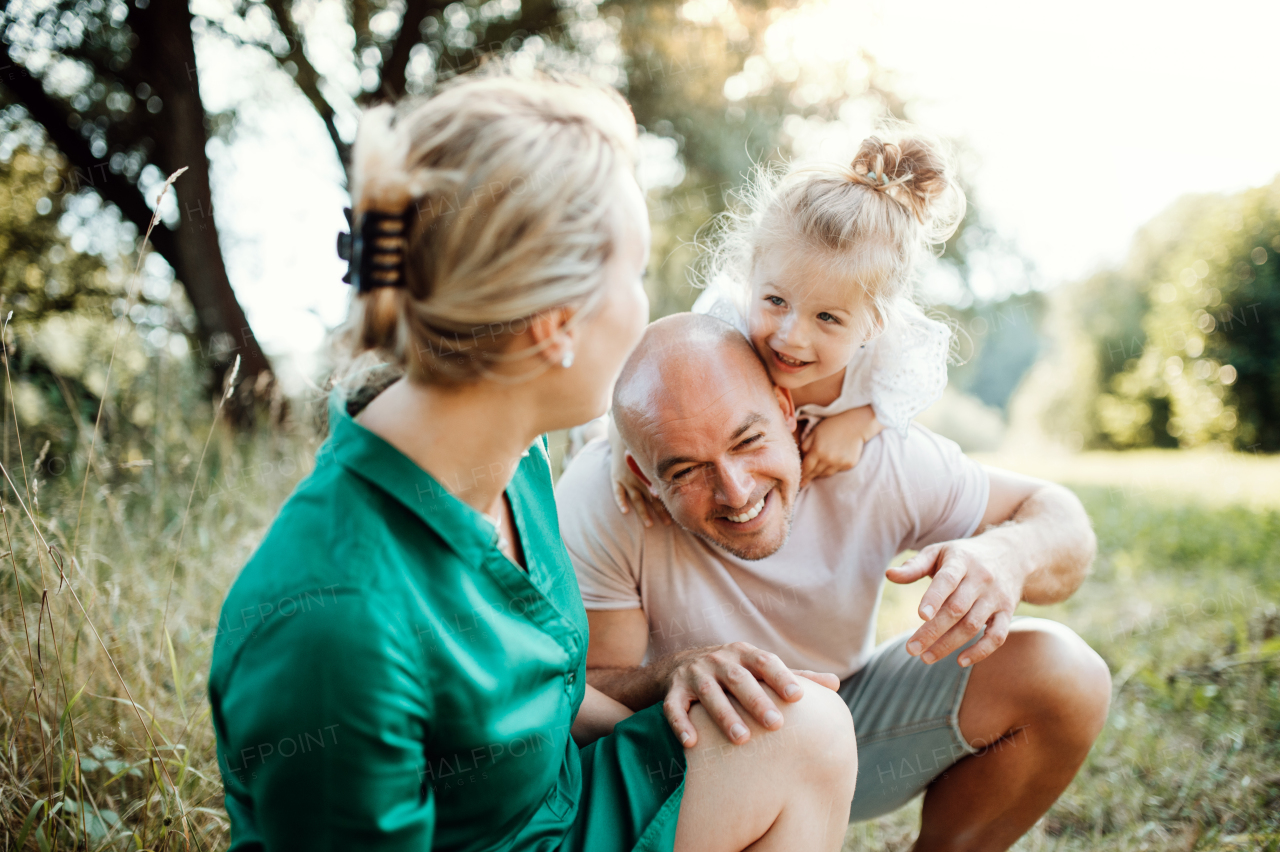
[{"x": 385, "y": 678}]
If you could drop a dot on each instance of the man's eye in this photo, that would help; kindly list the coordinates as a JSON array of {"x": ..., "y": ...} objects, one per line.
[
  {"x": 749, "y": 441},
  {"x": 826, "y": 317},
  {"x": 776, "y": 301},
  {"x": 680, "y": 474}
]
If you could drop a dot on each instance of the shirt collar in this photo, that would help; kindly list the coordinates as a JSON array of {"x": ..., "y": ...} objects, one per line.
[{"x": 368, "y": 456}]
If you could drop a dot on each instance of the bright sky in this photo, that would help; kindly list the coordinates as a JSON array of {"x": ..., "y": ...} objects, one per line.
[{"x": 1086, "y": 120}]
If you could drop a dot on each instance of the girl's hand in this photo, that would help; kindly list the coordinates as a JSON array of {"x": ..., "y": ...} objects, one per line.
[
  {"x": 629, "y": 489},
  {"x": 835, "y": 443}
]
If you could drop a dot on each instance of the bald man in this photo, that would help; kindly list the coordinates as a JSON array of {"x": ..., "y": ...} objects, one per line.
[{"x": 759, "y": 587}]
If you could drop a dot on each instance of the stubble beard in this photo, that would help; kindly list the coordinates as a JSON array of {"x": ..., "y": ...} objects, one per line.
[{"x": 751, "y": 555}]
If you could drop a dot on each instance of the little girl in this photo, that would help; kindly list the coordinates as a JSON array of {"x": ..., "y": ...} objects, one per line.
[{"x": 817, "y": 273}]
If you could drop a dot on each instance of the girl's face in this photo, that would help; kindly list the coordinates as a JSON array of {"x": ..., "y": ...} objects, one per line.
[{"x": 805, "y": 320}]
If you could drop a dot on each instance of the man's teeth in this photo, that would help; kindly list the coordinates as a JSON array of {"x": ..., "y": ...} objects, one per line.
[{"x": 750, "y": 513}]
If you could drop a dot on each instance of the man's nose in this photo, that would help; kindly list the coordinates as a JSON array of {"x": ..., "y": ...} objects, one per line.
[{"x": 734, "y": 485}]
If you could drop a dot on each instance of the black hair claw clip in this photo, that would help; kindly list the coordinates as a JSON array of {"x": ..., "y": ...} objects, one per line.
[{"x": 374, "y": 252}]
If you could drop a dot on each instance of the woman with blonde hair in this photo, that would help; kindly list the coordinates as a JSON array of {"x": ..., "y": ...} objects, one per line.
[{"x": 401, "y": 664}]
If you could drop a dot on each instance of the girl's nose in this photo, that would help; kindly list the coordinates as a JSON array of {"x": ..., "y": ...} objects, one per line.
[{"x": 792, "y": 332}]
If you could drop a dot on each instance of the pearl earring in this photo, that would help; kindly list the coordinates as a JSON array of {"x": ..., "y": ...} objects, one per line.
[{"x": 567, "y": 361}]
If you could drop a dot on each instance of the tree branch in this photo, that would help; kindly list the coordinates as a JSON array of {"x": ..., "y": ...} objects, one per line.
[
  {"x": 52, "y": 115},
  {"x": 393, "y": 67},
  {"x": 307, "y": 78}
]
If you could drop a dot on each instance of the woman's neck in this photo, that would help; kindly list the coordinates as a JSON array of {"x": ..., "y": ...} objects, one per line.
[
  {"x": 471, "y": 439},
  {"x": 822, "y": 392}
]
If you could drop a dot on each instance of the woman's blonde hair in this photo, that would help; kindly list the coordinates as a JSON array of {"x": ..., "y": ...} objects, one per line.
[
  {"x": 509, "y": 184},
  {"x": 873, "y": 218}
]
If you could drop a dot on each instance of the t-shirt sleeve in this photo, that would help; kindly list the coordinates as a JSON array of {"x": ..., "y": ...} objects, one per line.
[
  {"x": 945, "y": 490},
  {"x": 604, "y": 545},
  {"x": 321, "y": 724}
]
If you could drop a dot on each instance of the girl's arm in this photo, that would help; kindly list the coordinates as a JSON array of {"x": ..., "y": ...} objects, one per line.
[
  {"x": 628, "y": 489},
  {"x": 835, "y": 443},
  {"x": 596, "y": 717}
]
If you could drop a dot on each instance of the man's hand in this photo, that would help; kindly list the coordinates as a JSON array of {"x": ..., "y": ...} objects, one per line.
[
  {"x": 976, "y": 584},
  {"x": 703, "y": 675}
]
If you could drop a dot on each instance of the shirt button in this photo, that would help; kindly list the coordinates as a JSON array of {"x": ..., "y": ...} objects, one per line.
[{"x": 570, "y": 678}]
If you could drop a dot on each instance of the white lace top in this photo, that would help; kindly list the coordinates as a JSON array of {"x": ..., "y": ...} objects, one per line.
[{"x": 899, "y": 374}]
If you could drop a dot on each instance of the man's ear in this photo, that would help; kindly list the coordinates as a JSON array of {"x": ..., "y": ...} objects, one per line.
[
  {"x": 788, "y": 406},
  {"x": 549, "y": 332},
  {"x": 635, "y": 468}
]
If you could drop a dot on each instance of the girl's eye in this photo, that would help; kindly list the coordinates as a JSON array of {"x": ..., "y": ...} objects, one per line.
[
  {"x": 826, "y": 317},
  {"x": 776, "y": 301}
]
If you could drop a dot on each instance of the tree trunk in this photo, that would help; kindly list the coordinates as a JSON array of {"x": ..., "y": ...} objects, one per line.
[{"x": 166, "y": 59}]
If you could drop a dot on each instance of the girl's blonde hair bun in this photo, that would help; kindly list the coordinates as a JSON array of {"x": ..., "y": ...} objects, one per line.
[{"x": 915, "y": 171}]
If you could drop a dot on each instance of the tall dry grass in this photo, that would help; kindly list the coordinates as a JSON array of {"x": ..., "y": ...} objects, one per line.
[{"x": 116, "y": 560}]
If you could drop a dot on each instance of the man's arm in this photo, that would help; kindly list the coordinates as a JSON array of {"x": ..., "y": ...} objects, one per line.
[
  {"x": 619, "y": 639},
  {"x": 1047, "y": 527},
  {"x": 617, "y": 645},
  {"x": 1034, "y": 544}
]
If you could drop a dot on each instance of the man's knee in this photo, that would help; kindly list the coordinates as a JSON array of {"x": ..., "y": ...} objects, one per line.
[{"x": 1069, "y": 680}]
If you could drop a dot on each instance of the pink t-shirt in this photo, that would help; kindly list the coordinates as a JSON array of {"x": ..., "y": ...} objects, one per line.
[{"x": 814, "y": 602}]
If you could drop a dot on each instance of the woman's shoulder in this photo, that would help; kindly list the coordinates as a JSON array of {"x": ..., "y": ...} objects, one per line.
[
  {"x": 331, "y": 534},
  {"x": 319, "y": 573}
]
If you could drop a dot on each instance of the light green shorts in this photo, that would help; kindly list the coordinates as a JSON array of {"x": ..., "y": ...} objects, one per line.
[{"x": 906, "y": 717}]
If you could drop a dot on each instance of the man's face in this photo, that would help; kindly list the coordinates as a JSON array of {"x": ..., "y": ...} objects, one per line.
[{"x": 719, "y": 448}]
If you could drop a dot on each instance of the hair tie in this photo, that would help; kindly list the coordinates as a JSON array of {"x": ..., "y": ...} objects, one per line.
[{"x": 375, "y": 251}]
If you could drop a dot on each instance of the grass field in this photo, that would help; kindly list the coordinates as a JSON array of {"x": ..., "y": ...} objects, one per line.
[
  {"x": 103, "y": 659},
  {"x": 1182, "y": 605}
]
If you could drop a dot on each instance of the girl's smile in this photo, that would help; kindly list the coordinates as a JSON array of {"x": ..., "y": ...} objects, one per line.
[{"x": 806, "y": 319}]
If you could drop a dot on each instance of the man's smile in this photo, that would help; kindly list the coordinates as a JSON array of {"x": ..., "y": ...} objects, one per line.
[{"x": 751, "y": 518}]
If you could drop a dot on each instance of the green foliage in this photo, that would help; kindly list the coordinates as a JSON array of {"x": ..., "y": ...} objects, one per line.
[
  {"x": 67, "y": 286},
  {"x": 1186, "y": 336},
  {"x": 1182, "y": 605}
]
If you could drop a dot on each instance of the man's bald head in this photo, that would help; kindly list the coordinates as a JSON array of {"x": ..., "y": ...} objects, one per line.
[
  {"x": 677, "y": 360},
  {"x": 710, "y": 434}
]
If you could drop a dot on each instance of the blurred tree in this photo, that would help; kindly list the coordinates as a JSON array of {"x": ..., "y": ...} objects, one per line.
[
  {"x": 62, "y": 302},
  {"x": 116, "y": 88},
  {"x": 998, "y": 342},
  {"x": 1180, "y": 346}
]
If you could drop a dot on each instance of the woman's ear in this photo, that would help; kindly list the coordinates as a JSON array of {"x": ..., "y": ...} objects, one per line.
[{"x": 552, "y": 335}]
